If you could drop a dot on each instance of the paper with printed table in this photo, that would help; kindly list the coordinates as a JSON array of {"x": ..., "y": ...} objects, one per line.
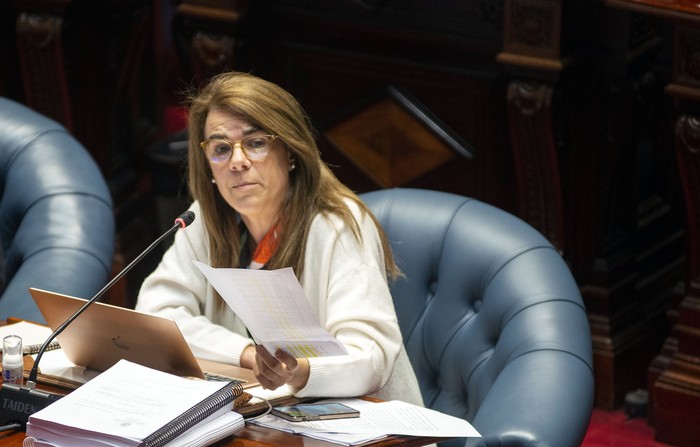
[{"x": 275, "y": 310}]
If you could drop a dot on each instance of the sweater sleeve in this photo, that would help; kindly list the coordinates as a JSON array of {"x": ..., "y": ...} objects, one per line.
[
  {"x": 345, "y": 282},
  {"x": 177, "y": 289}
]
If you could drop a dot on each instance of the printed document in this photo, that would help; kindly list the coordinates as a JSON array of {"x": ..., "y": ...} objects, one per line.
[
  {"x": 127, "y": 403},
  {"x": 275, "y": 310},
  {"x": 377, "y": 419}
]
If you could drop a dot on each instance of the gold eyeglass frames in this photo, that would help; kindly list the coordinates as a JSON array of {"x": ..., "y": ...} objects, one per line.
[{"x": 255, "y": 147}]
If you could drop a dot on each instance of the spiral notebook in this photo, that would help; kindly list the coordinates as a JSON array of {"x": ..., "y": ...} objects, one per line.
[{"x": 131, "y": 405}]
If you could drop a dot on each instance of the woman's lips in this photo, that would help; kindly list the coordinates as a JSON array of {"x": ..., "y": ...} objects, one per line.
[{"x": 241, "y": 186}]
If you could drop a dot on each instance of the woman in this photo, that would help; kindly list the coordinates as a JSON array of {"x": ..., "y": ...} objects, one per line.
[{"x": 264, "y": 199}]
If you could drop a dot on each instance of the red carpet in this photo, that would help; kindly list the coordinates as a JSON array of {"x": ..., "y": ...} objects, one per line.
[{"x": 615, "y": 429}]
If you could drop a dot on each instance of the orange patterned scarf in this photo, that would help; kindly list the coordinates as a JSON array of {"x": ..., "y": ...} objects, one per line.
[{"x": 265, "y": 249}]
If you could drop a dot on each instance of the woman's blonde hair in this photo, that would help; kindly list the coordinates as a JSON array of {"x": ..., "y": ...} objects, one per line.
[{"x": 313, "y": 188}]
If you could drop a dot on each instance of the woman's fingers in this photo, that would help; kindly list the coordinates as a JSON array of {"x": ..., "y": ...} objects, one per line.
[
  {"x": 273, "y": 371},
  {"x": 287, "y": 359}
]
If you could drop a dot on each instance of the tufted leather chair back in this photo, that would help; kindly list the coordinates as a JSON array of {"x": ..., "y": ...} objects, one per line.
[
  {"x": 56, "y": 217},
  {"x": 491, "y": 317}
]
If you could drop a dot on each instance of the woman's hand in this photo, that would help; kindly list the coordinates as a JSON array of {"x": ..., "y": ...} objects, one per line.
[{"x": 274, "y": 371}]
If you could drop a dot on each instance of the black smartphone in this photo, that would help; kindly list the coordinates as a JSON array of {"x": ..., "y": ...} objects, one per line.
[{"x": 315, "y": 412}]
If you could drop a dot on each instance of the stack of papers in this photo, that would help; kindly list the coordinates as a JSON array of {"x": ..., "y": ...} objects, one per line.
[
  {"x": 132, "y": 405},
  {"x": 377, "y": 420}
]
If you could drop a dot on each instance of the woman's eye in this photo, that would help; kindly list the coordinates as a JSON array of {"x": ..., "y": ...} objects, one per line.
[
  {"x": 255, "y": 144},
  {"x": 221, "y": 148}
]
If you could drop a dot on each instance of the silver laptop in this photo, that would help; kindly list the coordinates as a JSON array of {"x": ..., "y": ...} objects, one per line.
[{"x": 103, "y": 334}]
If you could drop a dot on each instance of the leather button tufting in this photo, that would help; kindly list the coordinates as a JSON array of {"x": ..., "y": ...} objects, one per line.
[{"x": 433, "y": 287}]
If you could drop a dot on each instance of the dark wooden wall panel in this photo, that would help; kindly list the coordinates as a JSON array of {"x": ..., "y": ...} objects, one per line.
[
  {"x": 334, "y": 58},
  {"x": 329, "y": 83}
]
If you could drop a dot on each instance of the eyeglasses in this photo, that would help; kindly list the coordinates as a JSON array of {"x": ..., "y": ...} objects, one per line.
[{"x": 256, "y": 147}]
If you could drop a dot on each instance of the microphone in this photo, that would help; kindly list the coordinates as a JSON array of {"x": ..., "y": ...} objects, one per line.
[{"x": 17, "y": 403}]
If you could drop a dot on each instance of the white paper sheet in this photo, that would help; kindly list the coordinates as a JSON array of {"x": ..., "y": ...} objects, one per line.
[
  {"x": 275, "y": 310},
  {"x": 259, "y": 393},
  {"x": 388, "y": 418},
  {"x": 56, "y": 364},
  {"x": 338, "y": 438},
  {"x": 31, "y": 333}
]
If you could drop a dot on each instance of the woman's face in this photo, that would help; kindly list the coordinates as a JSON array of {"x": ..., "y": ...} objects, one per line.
[{"x": 254, "y": 188}]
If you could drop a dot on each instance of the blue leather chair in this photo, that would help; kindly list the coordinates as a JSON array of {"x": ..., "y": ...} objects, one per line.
[
  {"x": 492, "y": 319},
  {"x": 56, "y": 217}
]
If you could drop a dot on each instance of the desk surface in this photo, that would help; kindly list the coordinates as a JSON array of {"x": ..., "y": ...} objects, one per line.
[
  {"x": 253, "y": 435},
  {"x": 250, "y": 436}
]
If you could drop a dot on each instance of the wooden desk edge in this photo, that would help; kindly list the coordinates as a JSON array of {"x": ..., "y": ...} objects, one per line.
[{"x": 251, "y": 435}]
